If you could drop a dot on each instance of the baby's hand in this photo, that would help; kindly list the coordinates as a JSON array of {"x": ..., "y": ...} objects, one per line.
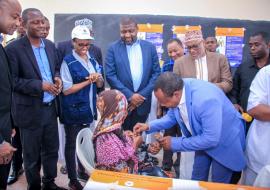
[
  {"x": 129, "y": 134},
  {"x": 158, "y": 136}
]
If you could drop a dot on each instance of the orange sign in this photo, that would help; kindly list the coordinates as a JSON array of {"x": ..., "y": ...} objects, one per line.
[
  {"x": 155, "y": 28},
  {"x": 130, "y": 180},
  {"x": 230, "y": 31}
]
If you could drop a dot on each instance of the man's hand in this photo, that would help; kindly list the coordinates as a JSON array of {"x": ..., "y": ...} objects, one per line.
[
  {"x": 166, "y": 142},
  {"x": 6, "y": 149},
  {"x": 238, "y": 108},
  {"x": 136, "y": 99},
  {"x": 51, "y": 88},
  {"x": 139, "y": 128},
  {"x": 131, "y": 107},
  {"x": 154, "y": 148},
  {"x": 58, "y": 83}
]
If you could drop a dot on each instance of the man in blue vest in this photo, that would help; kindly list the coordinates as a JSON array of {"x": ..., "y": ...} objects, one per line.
[{"x": 209, "y": 123}]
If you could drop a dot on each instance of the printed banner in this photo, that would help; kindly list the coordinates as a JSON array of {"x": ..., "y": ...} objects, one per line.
[
  {"x": 230, "y": 42},
  {"x": 152, "y": 33}
]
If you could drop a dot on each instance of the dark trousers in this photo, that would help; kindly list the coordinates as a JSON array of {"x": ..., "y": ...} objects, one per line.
[
  {"x": 42, "y": 143},
  {"x": 201, "y": 166},
  {"x": 17, "y": 159},
  {"x": 4, "y": 171},
  {"x": 70, "y": 147},
  {"x": 132, "y": 119},
  {"x": 167, "y": 162}
]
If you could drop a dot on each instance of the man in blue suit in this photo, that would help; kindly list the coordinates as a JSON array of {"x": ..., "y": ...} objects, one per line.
[
  {"x": 209, "y": 123},
  {"x": 132, "y": 67}
]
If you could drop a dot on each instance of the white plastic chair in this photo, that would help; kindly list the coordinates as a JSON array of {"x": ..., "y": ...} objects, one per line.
[
  {"x": 263, "y": 177},
  {"x": 85, "y": 149}
]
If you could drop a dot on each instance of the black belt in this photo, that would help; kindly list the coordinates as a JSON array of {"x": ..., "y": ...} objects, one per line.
[{"x": 47, "y": 103}]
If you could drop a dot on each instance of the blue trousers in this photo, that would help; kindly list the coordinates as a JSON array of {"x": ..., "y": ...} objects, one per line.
[{"x": 201, "y": 166}]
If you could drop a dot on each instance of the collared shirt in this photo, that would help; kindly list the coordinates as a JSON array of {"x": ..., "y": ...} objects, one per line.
[
  {"x": 135, "y": 58},
  {"x": 183, "y": 110},
  {"x": 201, "y": 69},
  {"x": 258, "y": 141},
  {"x": 67, "y": 78},
  {"x": 167, "y": 66},
  {"x": 242, "y": 81},
  {"x": 44, "y": 67}
]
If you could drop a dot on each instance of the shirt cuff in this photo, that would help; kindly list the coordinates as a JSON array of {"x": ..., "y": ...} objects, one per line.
[{"x": 175, "y": 144}]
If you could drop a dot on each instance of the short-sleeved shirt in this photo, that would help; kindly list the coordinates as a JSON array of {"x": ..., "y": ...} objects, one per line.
[{"x": 67, "y": 78}]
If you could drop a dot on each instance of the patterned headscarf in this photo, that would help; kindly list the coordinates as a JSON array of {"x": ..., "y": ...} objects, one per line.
[
  {"x": 113, "y": 149},
  {"x": 112, "y": 106}
]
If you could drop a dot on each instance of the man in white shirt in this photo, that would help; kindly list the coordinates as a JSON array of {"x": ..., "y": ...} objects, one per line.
[{"x": 258, "y": 138}]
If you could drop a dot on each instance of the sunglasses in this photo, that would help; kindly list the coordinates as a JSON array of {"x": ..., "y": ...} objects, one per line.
[{"x": 83, "y": 44}]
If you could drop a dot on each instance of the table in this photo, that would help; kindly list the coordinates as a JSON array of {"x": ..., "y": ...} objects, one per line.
[{"x": 101, "y": 180}]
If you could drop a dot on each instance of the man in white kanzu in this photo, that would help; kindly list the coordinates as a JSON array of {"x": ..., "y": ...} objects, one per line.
[{"x": 258, "y": 138}]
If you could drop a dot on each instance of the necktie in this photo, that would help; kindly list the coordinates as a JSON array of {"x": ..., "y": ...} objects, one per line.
[{"x": 183, "y": 126}]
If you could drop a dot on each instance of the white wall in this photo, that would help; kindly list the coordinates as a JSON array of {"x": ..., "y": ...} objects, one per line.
[{"x": 230, "y": 9}]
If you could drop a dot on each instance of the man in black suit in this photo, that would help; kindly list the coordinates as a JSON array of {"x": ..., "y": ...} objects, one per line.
[
  {"x": 17, "y": 159},
  {"x": 10, "y": 11},
  {"x": 33, "y": 63}
]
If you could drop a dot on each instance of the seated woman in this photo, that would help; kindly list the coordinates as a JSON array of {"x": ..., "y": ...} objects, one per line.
[{"x": 117, "y": 150}]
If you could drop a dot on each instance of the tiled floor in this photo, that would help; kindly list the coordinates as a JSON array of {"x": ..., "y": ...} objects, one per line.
[{"x": 61, "y": 180}]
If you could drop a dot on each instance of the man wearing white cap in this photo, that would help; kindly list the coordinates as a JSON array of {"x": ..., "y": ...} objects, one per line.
[{"x": 80, "y": 82}]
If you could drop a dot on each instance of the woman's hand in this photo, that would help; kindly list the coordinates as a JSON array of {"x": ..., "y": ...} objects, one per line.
[{"x": 137, "y": 141}]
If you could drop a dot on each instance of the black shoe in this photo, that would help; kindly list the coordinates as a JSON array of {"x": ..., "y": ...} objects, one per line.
[
  {"x": 75, "y": 185},
  {"x": 51, "y": 186},
  {"x": 82, "y": 176},
  {"x": 14, "y": 176}
]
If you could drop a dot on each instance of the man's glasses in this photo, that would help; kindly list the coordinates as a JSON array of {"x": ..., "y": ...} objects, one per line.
[{"x": 195, "y": 46}]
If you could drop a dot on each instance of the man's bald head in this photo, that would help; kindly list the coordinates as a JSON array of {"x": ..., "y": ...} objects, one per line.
[{"x": 10, "y": 12}]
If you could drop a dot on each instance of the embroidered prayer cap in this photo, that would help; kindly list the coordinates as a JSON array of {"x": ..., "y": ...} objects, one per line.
[
  {"x": 85, "y": 22},
  {"x": 193, "y": 35}
]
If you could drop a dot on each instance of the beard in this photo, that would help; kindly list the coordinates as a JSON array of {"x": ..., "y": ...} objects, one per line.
[{"x": 129, "y": 42}]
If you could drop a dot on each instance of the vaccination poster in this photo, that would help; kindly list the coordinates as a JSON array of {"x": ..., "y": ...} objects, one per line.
[
  {"x": 231, "y": 42},
  {"x": 152, "y": 33}
]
